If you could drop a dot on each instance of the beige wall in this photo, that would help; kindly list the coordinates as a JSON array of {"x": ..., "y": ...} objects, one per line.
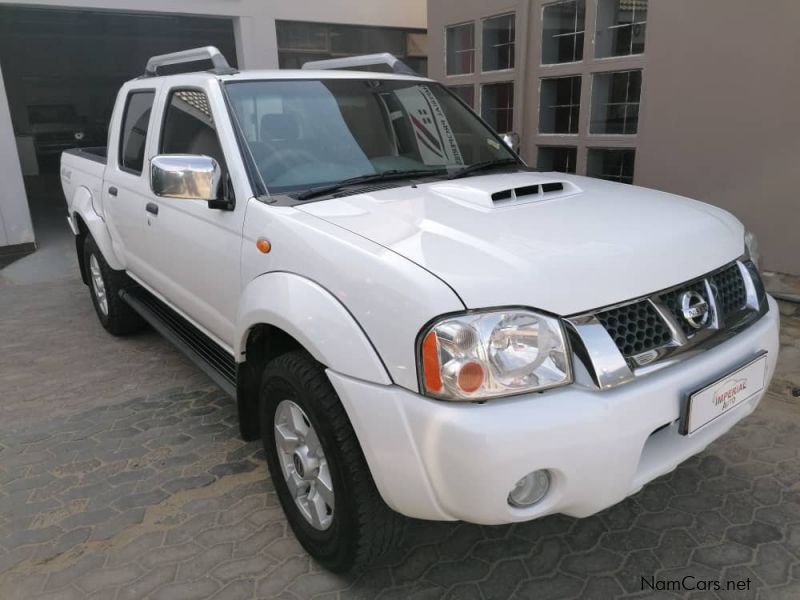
[
  {"x": 721, "y": 115},
  {"x": 720, "y": 111}
]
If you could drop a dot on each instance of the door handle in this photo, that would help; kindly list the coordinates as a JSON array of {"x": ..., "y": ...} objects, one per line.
[
  {"x": 152, "y": 207},
  {"x": 112, "y": 191}
]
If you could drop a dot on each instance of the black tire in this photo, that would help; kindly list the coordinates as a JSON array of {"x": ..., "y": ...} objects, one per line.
[
  {"x": 363, "y": 527},
  {"x": 120, "y": 318}
]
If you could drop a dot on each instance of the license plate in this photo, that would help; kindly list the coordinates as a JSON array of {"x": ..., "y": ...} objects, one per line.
[{"x": 716, "y": 399}]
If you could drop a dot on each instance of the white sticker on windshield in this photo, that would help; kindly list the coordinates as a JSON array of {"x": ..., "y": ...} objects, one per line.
[{"x": 435, "y": 138}]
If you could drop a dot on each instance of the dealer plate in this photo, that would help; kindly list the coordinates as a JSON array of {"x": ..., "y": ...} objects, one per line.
[{"x": 716, "y": 399}]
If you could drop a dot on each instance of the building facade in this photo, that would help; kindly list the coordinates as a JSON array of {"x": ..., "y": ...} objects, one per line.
[
  {"x": 694, "y": 98},
  {"x": 62, "y": 62}
]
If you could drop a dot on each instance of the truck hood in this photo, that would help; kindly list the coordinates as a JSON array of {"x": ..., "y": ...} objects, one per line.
[{"x": 559, "y": 243}]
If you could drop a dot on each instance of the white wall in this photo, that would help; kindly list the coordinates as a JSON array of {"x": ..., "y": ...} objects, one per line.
[
  {"x": 256, "y": 46},
  {"x": 15, "y": 219}
]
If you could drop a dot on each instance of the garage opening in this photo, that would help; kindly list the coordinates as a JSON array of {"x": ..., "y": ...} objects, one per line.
[{"x": 62, "y": 70}]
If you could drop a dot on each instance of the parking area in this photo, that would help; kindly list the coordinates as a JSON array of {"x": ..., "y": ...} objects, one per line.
[{"x": 122, "y": 476}]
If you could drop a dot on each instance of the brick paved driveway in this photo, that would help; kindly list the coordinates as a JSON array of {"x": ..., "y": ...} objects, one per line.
[{"x": 121, "y": 476}]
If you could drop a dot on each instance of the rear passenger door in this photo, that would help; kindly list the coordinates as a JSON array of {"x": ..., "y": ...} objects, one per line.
[
  {"x": 193, "y": 250},
  {"x": 126, "y": 186}
]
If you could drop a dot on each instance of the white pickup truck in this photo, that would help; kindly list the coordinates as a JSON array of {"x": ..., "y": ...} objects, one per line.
[{"x": 409, "y": 318}]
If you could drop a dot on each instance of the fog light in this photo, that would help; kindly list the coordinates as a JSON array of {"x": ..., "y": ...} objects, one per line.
[{"x": 530, "y": 489}]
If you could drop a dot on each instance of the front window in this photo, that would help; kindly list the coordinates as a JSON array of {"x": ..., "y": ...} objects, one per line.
[{"x": 306, "y": 133}]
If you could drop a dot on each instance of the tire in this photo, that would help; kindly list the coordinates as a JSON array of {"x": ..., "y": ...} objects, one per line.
[
  {"x": 361, "y": 526},
  {"x": 115, "y": 315}
]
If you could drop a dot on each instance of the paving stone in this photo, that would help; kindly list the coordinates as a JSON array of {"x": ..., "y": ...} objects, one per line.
[
  {"x": 282, "y": 576},
  {"x": 773, "y": 564},
  {"x": 189, "y": 590},
  {"x": 503, "y": 580},
  {"x": 554, "y": 588},
  {"x": 107, "y": 577},
  {"x": 148, "y": 583}
]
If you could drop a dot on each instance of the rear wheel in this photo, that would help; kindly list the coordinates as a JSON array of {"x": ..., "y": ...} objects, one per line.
[
  {"x": 115, "y": 315},
  {"x": 318, "y": 469}
]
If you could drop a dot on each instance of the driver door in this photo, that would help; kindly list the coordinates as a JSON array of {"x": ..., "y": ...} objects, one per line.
[{"x": 194, "y": 251}]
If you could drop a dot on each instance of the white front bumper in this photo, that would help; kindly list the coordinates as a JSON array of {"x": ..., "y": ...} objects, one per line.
[{"x": 451, "y": 461}]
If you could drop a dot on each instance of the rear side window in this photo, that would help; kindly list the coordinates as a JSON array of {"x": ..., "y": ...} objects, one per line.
[
  {"x": 135, "y": 121},
  {"x": 189, "y": 126}
]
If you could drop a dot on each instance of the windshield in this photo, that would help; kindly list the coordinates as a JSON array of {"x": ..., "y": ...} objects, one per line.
[{"x": 306, "y": 133}]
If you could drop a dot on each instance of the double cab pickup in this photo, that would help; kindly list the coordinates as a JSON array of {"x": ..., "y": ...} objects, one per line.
[{"x": 410, "y": 319}]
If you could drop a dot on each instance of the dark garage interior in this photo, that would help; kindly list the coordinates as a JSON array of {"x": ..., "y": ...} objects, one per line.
[{"x": 62, "y": 70}]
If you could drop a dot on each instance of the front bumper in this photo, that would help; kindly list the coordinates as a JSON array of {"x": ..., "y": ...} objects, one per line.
[{"x": 451, "y": 461}]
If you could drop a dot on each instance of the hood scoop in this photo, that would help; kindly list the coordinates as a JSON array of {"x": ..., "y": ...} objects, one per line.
[{"x": 534, "y": 193}]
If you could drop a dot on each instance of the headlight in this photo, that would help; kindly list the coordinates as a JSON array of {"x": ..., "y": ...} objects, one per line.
[
  {"x": 482, "y": 355},
  {"x": 751, "y": 248}
]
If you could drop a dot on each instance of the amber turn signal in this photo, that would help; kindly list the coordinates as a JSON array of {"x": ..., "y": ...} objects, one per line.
[
  {"x": 430, "y": 363},
  {"x": 263, "y": 246}
]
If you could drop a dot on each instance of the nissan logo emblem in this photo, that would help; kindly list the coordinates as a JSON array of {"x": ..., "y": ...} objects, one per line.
[{"x": 694, "y": 309}]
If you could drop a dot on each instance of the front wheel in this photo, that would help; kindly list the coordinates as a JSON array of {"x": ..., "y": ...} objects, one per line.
[{"x": 319, "y": 471}]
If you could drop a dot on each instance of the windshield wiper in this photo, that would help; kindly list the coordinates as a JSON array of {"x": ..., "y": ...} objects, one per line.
[
  {"x": 483, "y": 166},
  {"x": 382, "y": 176}
]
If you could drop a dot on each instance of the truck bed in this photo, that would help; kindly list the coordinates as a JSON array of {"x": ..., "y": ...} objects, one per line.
[{"x": 95, "y": 153}]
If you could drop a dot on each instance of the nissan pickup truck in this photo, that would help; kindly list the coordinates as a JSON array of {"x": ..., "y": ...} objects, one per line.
[{"x": 411, "y": 320}]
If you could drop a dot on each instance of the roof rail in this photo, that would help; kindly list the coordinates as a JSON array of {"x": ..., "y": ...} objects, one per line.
[
  {"x": 366, "y": 60},
  {"x": 221, "y": 66}
]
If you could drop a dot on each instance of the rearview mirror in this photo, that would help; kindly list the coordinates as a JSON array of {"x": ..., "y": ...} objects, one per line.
[
  {"x": 185, "y": 176},
  {"x": 512, "y": 140}
]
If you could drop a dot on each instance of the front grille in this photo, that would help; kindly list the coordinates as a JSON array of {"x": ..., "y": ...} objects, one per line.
[
  {"x": 731, "y": 292},
  {"x": 647, "y": 324},
  {"x": 672, "y": 300},
  {"x": 652, "y": 331},
  {"x": 635, "y": 328}
]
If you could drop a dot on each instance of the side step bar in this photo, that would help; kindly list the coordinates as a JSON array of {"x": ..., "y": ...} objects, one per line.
[{"x": 213, "y": 360}]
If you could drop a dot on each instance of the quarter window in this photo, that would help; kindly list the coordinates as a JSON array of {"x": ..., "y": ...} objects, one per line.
[
  {"x": 189, "y": 126},
  {"x": 497, "y": 106},
  {"x": 611, "y": 164},
  {"x": 615, "y": 102},
  {"x": 560, "y": 105},
  {"x": 562, "y": 38},
  {"x": 498, "y": 43},
  {"x": 135, "y": 122},
  {"x": 461, "y": 49},
  {"x": 621, "y": 27}
]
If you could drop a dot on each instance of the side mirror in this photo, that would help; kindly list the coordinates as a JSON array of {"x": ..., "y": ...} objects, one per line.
[
  {"x": 186, "y": 177},
  {"x": 512, "y": 140}
]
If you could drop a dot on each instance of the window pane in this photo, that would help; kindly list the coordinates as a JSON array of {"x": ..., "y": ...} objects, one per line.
[
  {"x": 615, "y": 102},
  {"x": 189, "y": 126},
  {"x": 461, "y": 49},
  {"x": 134, "y": 130},
  {"x": 562, "y": 36},
  {"x": 621, "y": 27},
  {"x": 294, "y": 35},
  {"x": 559, "y": 106},
  {"x": 346, "y": 39},
  {"x": 498, "y": 43},
  {"x": 497, "y": 106},
  {"x": 557, "y": 158},
  {"x": 613, "y": 165},
  {"x": 466, "y": 93}
]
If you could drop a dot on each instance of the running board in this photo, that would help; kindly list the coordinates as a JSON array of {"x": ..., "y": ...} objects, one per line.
[{"x": 209, "y": 356}]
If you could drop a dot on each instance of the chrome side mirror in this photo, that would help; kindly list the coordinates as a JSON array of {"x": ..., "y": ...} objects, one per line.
[
  {"x": 512, "y": 140},
  {"x": 185, "y": 176}
]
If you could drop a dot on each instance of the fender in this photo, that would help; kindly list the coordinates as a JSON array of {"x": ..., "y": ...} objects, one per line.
[
  {"x": 81, "y": 205},
  {"x": 315, "y": 318}
]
